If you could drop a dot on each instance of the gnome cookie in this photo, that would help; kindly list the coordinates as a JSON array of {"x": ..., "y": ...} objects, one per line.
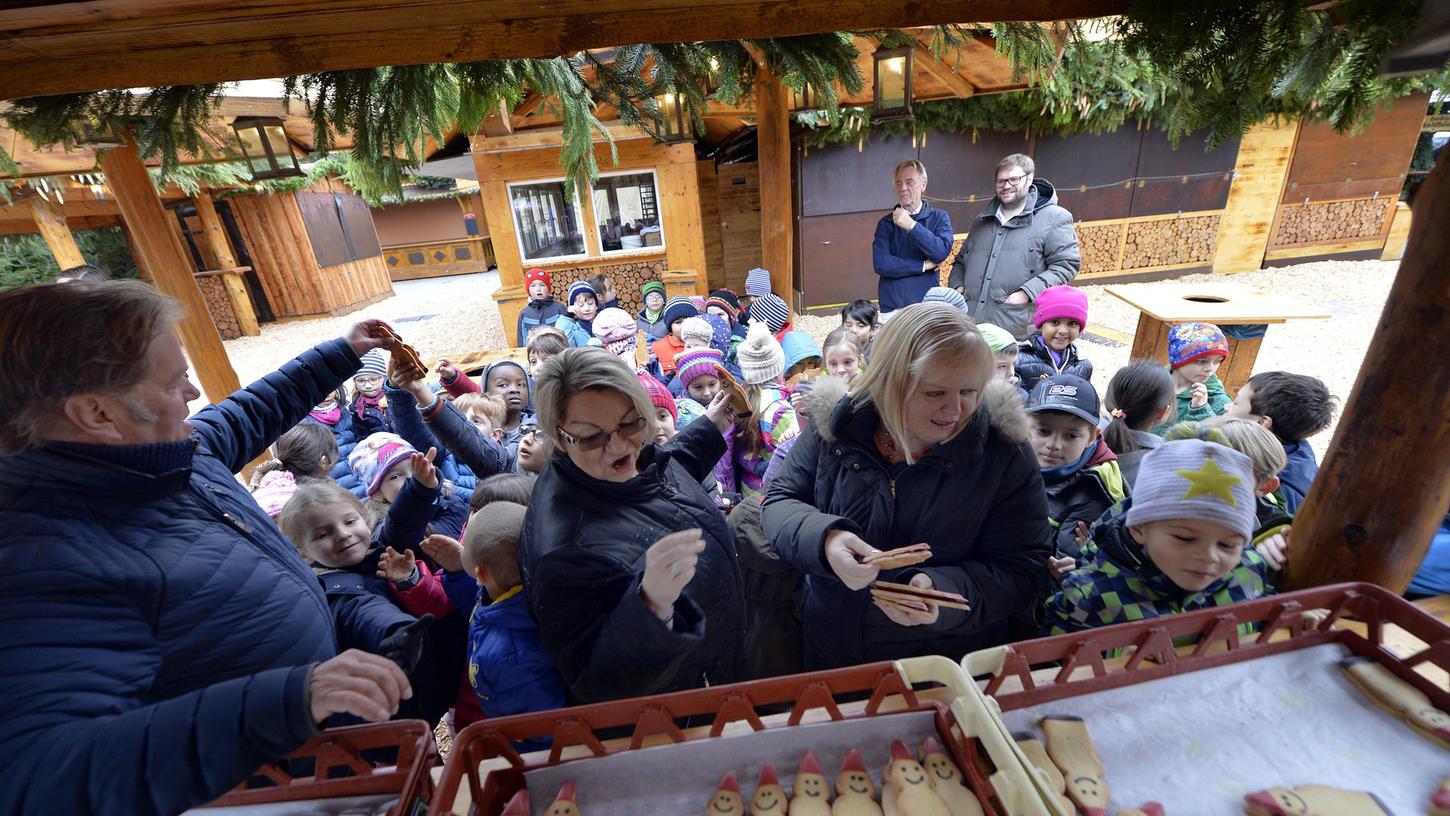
[
  {"x": 564, "y": 802},
  {"x": 946, "y": 778},
  {"x": 726, "y": 801},
  {"x": 1148, "y": 809},
  {"x": 811, "y": 793},
  {"x": 1313, "y": 800},
  {"x": 1072, "y": 750},
  {"x": 855, "y": 792},
  {"x": 914, "y": 793},
  {"x": 769, "y": 798}
]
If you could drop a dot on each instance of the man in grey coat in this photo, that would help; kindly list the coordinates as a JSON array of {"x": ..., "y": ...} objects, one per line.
[{"x": 1021, "y": 244}]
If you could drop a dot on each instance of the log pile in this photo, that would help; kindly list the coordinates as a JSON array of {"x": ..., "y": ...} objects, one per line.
[
  {"x": 219, "y": 306},
  {"x": 627, "y": 278},
  {"x": 1332, "y": 221},
  {"x": 1099, "y": 246},
  {"x": 1171, "y": 242},
  {"x": 944, "y": 268}
]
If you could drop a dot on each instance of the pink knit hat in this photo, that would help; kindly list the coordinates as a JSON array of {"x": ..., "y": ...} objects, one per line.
[
  {"x": 696, "y": 362},
  {"x": 659, "y": 396},
  {"x": 1061, "y": 301}
]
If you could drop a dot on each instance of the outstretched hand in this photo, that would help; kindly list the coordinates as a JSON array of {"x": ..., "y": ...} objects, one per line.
[
  {"x": 402, "y": 372},
  {"x": 397, "y": 566},
  {"x": 366, "y": 335},
  {"x": 423, "y": 469},
  {"x": 448, "y": 552}
]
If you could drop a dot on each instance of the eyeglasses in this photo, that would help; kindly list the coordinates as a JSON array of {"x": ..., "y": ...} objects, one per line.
[
  {"x": 367, "y": 379},
  {"x": 526, "y": 431},
  {"x": 1010, "y": 181},
  {"x": 626, "y": 430}
]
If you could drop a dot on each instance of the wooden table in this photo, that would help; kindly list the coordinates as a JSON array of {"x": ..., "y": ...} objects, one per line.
[{"x": 1163, "y": 305}]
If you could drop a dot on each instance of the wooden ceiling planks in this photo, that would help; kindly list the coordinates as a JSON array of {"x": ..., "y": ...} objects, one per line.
[{"x": 49, "y": 48}]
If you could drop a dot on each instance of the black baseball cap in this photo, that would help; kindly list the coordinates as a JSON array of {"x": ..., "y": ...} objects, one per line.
[{"x": 1065, "y": 393}]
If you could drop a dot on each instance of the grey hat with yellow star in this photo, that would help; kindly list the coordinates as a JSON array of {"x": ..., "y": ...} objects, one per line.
[{"x": 1190, "y": 478}]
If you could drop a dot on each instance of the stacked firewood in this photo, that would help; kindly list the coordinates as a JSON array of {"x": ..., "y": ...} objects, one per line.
[
  {"x": 1332, "y": 221},
  {"x": 219, "y": 306},
  {"x": 1099, "y": 246},
  {"x": 1171, "y": 242},
  {"x": 627, "y": 278}
]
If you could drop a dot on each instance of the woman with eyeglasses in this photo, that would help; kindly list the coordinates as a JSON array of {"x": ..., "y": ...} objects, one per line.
[
  {"x": 927, "y": 447},
  {"x": 627, "y": 564}
]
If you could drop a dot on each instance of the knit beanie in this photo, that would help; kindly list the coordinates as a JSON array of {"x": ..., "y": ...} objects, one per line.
[
  {"x": 698, "y": 362},
  {"x": 951, "y": 297},
  {"x": 375, "y": 362},
  {"x": 1190, "y": 478},
  {"x": 757, "y": 282},
  {"x": 537, "y": 274},
  {"x": 727, "y": 296},
  {"x": 1189, "y": 341},
  {"x": 760, "y": 356},
  {"x": 651, "y": 286},
  {"x": 696, "y": 329},
  {"x": 998, "y": 339},
  {"x": 798, "y": 346},
  {"x": 274, "y": 491},
  {"x": 659, "y": 396},
  {"x": 617, "y": 331},
  {"x": 1061, "y": 301},
  {"x": 676, "y": 309},
  {"x": 771, "y": 311},
  {"x": 720, "y": 338},
  {"x": 731, "y": 312},
  {"x": 374, "y": 456},
  {"x": 578, "y": 288}
]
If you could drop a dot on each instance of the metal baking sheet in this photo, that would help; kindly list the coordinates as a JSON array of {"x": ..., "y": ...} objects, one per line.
[
  {"x": 681, "y": 778},
  {"x": 1199, "y": 741},
  {"x": 341, "y": 806}
]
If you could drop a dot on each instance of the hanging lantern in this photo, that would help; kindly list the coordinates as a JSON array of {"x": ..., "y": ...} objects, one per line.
[
  {"x": 892, "y": 84},
  {"x": 672, "y": 112},
  {"x": 266, "y": 147},
  {"x": 98, "y": 137},
  {"x": 712, "y": 80}
]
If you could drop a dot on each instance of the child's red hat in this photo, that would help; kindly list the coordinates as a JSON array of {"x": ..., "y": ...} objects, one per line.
[{"x": 537, "y": 274}]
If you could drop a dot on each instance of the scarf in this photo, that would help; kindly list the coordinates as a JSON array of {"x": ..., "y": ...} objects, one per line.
[
  {"x": 365, "y": 402},
  {"x": 328, "y": 417},
  {"x": 1063, "y": 471}
]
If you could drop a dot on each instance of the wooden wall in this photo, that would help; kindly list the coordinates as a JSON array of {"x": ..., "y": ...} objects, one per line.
[
  {"x": 730, "y": 215},
  {"x": 282, "y": 255},
  {"x": 419, "y": 221}
]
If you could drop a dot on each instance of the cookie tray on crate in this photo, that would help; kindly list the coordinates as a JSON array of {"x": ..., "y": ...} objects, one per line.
[
  {"x": 1196, "y": 710},
  {"x": 361, "y": 770},
  {"x": 667, "y": 753}
]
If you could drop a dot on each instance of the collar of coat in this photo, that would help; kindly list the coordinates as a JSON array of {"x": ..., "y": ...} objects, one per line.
[
  {"x": 999, "y": 411},
  {"x": 131, "y": 472}
]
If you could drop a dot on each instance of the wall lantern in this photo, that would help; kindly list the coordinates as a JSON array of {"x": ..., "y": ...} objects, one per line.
[
  {"x": 892, "y": 84},
  {"x": 266, "y": 148},
  {"x": 99, "y": 137},
  {"x": 672, "y": 114},
  {"x": 712, "y": 79}
]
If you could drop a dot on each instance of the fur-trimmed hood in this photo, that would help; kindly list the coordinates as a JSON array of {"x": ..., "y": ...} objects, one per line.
[{"x": 1000, "y": 399}]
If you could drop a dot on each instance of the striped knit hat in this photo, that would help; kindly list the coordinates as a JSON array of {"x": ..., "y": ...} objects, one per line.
[
  {"x": 578, "y": 288},
  {"x": 697, "y": 362},
  {"x": 374, "y": 363},
  {"x": 771, "y": 311},
  {"x": 757, "y": 282},
  {"x": 942, "y": 294},
  {"x": 651, "y": 286},
  {"x": 732, "y": 312},
  {"x": 375, "y": 456},
  {"x": 659, "y": 396},
  {"x": 1190, "y": 478},
  {"x": 678, "y": 308}
]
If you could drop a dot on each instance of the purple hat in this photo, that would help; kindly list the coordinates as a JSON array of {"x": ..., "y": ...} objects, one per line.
[{"x": 375, "y": 456}]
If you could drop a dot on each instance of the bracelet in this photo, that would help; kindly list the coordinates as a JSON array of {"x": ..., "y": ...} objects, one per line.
[
  {"x": 433, "y": 409},
  {"x": 411, "y": 581}
]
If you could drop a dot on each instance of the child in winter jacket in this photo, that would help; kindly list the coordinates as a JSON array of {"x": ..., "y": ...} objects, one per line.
[
  {"x": 774, "y": 313},
  {"x": 1293, "y": 407},
  {"x": 762, "y": 361},
  {"x": 1079, "y": 472},
  {"x": 676, "y": 312},
  {"x": 505, "y": 379},
  {"x": 578, "y": 325},
  {"x": 1195, "y": 352},
  {"x": 542, "y": 309},
  {"x": 332, "y": 414},
  {"x": 724, "y": 303},
  {"x": 1140, "y": 396},
  {"x": 1180, "y": 543},
  {"x": 350, "y": 557},
  {"x": 698, "y": 378},
  {"x": 369, "y": 409},
  {"x": 1060, "y": 318},
  {"x": 651, "y": 318},
  {"x": 1005, "y": 351},
  {"x": 384, "y": 464}
]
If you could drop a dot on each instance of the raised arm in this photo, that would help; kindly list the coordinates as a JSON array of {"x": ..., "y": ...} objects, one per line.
[{"x": 886, "y": 264}]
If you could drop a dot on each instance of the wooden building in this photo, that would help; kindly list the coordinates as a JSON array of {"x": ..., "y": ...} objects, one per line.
[{"x": 434, "y": 235}]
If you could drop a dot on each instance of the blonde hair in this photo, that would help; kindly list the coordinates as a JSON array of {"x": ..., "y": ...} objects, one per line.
[
  {"x": 913, "y": 338},
  {"x": 1254, "y": 441},
  {"x": 490, "y": 405},
  {"x": 582, "y": 369},
  {"x": 309, "y": 496},
  {"x": 842, "y": 337},
  {"x": 492, "y": 540}
]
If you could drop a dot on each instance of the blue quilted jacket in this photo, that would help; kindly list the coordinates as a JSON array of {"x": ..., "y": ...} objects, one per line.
[{"x": 156, "y": 630}]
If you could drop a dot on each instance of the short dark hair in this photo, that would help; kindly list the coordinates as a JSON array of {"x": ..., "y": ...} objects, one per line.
[
  {"x": 492, "y": 540},
  {"x": 1299, "y": 405},
  {"x": 63, "y": 339},
  {"x": 597, "y": 283},
  {"x": 861, "y": 311},
  {"x": 507, "y": 487},
  {"x": 301, "y": 448}
]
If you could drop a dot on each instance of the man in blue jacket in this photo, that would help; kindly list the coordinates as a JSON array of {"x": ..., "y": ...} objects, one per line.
[
  {"x": 159, "y": 638},
  {"x": 910, "y": 241}
]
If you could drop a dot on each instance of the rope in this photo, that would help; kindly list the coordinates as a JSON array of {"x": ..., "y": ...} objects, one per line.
[{"x": 1084, "y": 188}]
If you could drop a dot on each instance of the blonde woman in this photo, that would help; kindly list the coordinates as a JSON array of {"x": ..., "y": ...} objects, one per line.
[
  {"x": 627, "y": 564},
  {"x": 926, "y": 447}
]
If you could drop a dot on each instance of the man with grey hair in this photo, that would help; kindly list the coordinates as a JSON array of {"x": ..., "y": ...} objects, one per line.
[
  {"x": 159, "y": 638},
  {"x": 1021, "y": 244},
  {"x": 910, "y": 241}
]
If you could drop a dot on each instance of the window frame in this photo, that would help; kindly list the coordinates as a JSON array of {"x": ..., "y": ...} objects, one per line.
[
  {"x": 659, "y": 209},
  {"x": 518, "y": 228}
]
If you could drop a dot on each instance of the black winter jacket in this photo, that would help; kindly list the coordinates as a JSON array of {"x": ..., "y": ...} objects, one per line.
[
  {"x": 978, "y": 500},
  {"x": 1034, "y": 362},
  {"x": 582, "y": 557}
]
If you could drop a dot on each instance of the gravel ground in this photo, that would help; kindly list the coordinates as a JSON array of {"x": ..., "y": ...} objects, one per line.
[{"x": 451, "y": 315}]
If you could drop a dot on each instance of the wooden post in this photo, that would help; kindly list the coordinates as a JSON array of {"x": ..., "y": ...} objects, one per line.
[
  {"x": 216, "y": 238},
  {"x": 1385, "y": 483},
  {"x": 1262, "y": 169},
  {"x": 773, "y": 135},
  {"x": 511, "y": 296},
  {"x": 50, "y": 218},
  {"x": 166, "y": 263}
]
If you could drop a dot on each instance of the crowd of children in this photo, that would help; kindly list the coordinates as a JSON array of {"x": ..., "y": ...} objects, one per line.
[{"x": 1167, "y": 494}]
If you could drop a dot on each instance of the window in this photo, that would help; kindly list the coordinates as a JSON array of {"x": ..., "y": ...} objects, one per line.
[
  {"x": 546, "y": 221},
  {"x": 626, "y": 207}
]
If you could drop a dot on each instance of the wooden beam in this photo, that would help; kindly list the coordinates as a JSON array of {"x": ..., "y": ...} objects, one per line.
[
  {"x": 50, "y": 219},
  {"x": 772, "y": 103},
  {"x": 943, "y": 73},
  {"x": 216, "y": 238},
  {"x": 1262, "y": 169},
  {"x": 1385, "y": 484},
  {"x": 52, "y": 48},
  {"x": 500, "y": 123},
  {"x": 156, "y": 243},
  {"x": 548, "y": 137}
]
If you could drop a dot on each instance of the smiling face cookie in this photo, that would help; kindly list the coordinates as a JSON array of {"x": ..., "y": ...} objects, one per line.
[
  {"x": 855, "y": 783},
  {"x": 727, "y": 800}
]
